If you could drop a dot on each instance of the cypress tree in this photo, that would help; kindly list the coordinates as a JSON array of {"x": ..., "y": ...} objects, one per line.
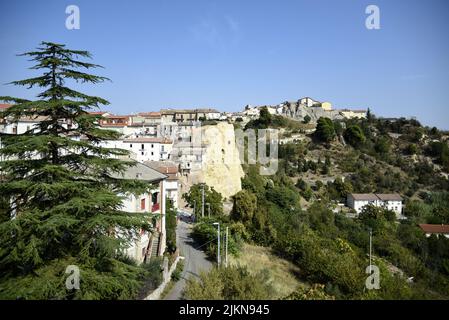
[{"x": 63, "y": 197}]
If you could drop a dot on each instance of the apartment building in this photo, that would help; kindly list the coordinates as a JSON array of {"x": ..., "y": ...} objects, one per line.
[
  {"x": 153, "y": 201},
  {"x": 148, "y": 148}
]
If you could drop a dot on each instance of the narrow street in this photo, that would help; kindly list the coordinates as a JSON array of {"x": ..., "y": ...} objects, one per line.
[{"x": 195, "y": 260}]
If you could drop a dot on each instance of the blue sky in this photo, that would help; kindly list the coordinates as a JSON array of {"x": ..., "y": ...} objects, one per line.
[{"x": 226, "y": 54}]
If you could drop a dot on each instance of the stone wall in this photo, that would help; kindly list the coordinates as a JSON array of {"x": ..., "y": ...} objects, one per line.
[{"x": 166, "y": 278}]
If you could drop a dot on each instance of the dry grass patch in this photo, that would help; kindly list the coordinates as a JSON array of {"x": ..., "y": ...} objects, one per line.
[{"x": 282, "y": 273}]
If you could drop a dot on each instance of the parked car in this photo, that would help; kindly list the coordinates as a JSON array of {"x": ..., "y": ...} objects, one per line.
[{"x": 186, "y": 216}]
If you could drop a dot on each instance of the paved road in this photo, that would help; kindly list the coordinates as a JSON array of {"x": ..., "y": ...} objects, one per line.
[{"x": 195, "y": 260}]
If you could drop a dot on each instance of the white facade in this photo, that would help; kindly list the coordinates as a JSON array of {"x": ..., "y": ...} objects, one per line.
[
  {"x": 25, "y": 124},
  {"x": 358, "y": 204},
  {"x": 391, "y": 205},
  {"x": 213, "y": 115},
  {"x": 308, "y": 102},
  {"x": 391, "y": 202},
  {"x": 19, "y": 127},
  {"x": 171, "y": 188},
  {"x": 428, "y": 234},
  {"x": 148, "y": 149},
  {"x": 133, "y": 130},
  {"x": 139, "y": 248},
  {"x": 251, "y": 112},
  {"x": 152, "y": 202}
]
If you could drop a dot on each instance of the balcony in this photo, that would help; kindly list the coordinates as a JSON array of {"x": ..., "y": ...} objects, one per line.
[{"x": 155, "y": 207}]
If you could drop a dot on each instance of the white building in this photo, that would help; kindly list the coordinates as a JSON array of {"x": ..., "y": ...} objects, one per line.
[
  {"x": 153, "y": 201},
  {"x": 188, "y": 115},
  {"x": 251, "y": 112},
  {"x": 391, "y": 201},
  {"x": 307, "y": 101},
  {"x": 149, "y": 148},
  {"x": 357, "y": 201},
  {"x": 25, "y": 124},
  {"x": 172, "y": 183}
]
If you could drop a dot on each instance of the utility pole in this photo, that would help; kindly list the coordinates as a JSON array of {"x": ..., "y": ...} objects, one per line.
[
  {"x": 202, "y": 200},
  {"x": 370, "y": 248},
  {"x": 226, "y": 247},
  {"x": 218, "y": 240}
]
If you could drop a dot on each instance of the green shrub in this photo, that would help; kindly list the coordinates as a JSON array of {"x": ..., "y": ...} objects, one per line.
[
  {"x": 177, "y": 273},
  {"x": 232, "y": 283}
]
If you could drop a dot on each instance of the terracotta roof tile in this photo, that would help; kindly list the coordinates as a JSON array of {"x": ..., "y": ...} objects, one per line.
[
  {"x": 4, "y": 106},
  {"x": 149, "y": 140},
  {"x": 435, "y": 228}
]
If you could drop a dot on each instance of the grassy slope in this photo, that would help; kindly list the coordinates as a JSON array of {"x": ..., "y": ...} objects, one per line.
[{"x": 282, "y": 273}]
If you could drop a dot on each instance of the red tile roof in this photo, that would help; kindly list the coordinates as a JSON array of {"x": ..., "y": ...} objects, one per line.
[
  {"x": 114, "y": 124},
  {"x": 150, "y": 140},
  {"x": 171, "y": 170},
  {"x": 435, "y": 228},
  {"x": 168, "y": 168},
  {"x": 97, "y": 112},
  {"x": 150, "y": 114},
  {"x": 5, "y": 106},
  {"x": 113, "y": 116}
]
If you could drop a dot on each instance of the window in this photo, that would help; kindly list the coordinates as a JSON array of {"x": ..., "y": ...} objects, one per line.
[
  {"x": 152, "y": 153},
  {"x": 142, "y": 204},
  {"x": 154, "y": 197},
  {"x": 162, "y": 148},
  {"x": 143, "y": 146},
  {"x": 141, "y": 153},
  {"x": 152, "y": 145},
  {"x": 131, "y": 145}
]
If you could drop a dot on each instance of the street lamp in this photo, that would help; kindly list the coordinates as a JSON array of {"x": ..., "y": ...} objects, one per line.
[
  {"x": 218, "y": 237},
  {"x": 202, "y": 200},
  {"x": 370, "y": 247},
  {"x": 226, "y": 247}
]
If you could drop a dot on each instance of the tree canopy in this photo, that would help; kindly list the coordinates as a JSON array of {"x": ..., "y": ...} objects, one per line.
[
  {"x": 354, "y": 135},
  {"x": 211, "y": 196},
  {"x": 325, "y": 130},
  {"x": 65, "y": 202}
]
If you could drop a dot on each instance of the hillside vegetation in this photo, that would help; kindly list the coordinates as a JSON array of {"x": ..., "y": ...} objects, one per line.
[{"x": 293, "y": 213}]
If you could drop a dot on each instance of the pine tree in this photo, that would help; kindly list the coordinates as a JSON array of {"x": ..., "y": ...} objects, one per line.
[
  {"x": 369, "y": 116},
  {"x": 64, "y": 197}
]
